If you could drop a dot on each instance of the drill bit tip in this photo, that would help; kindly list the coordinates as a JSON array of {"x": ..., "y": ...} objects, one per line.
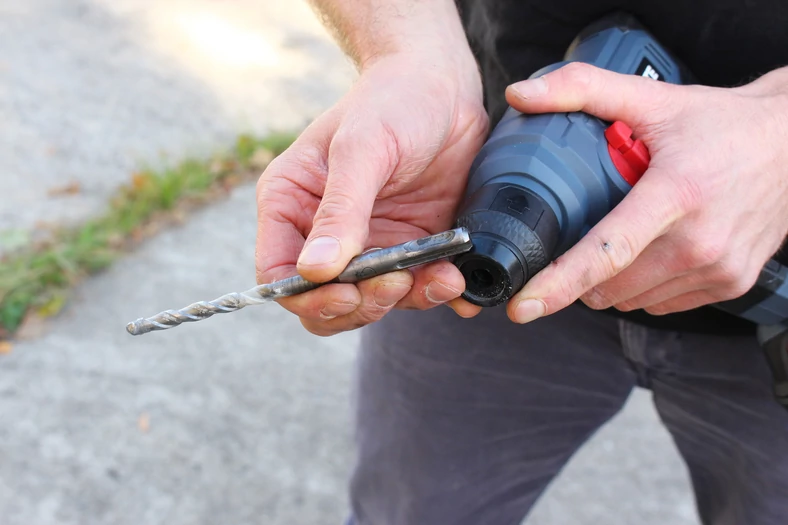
[
  {"x": 139, "y": 327},
  {"x": 132, "y": 327}
]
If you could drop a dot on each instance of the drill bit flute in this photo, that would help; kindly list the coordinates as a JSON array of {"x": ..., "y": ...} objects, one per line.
[{"x": 369, "y": 264}]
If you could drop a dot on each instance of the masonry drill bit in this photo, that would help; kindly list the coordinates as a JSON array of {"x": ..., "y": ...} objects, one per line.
[{"x": 369, "y": 264}]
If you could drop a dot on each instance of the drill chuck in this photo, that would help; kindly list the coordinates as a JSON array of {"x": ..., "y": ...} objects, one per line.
[{"x": 514, "y": 234}]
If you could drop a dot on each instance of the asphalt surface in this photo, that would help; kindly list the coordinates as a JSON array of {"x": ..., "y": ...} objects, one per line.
[{"x": 243, "y": 418}]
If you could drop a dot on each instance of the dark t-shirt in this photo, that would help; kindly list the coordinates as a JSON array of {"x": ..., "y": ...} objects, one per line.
[{"x": 723, "y": 42}]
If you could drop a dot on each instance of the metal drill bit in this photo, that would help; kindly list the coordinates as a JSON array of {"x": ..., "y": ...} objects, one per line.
[{"x": 369, "y": 264}]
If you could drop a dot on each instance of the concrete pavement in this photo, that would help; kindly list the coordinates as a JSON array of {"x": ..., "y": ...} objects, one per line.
[
  {"x": 240, "y": 419},
  {"x": 90, "y": 90},
  {"x": 243, "y": 418}
]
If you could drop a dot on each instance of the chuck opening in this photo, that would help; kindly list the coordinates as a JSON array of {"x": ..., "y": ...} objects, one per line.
[
  {"x": 514, "y": 233},
  {"x": 482, "y": 278},
  {"x": 492, "y": 272}
]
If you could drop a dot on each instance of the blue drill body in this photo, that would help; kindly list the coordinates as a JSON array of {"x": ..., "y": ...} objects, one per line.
[
  {"x": 542, "y": 181},
  {"x": 563, "y": 157}
]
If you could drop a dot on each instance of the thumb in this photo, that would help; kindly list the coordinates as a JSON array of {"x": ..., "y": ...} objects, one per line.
[
  {"x": 582, "y": 87},
  {"x": 358, "y": 167}
]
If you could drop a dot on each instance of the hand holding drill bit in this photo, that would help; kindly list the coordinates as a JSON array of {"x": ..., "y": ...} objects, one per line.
[{"x": 369, "y": 264}]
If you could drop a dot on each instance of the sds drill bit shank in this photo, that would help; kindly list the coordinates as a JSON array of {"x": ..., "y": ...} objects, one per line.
[{"x": 369, "y": 264}]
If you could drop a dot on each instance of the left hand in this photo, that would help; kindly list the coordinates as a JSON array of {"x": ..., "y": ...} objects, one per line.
[{"x": 706, "y": 216}]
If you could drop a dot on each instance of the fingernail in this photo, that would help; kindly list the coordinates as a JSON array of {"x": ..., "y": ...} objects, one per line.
[
  {"x": 387, "y": 294},
  {"x": 320, "y": 251},
  {"x": 332, "y": 310},
  {"x": 528, "y": 310},
  {"x": 439, "y": 293},
  {"x": 532, "y": 88}
]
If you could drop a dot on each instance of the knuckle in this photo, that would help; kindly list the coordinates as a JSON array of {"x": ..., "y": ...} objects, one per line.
[
  {"x": 393, "y": 145},
  {"x": 730, "y": 271},
  {"x": 344, "y": 141},
  {"x": 616, "y": 252},
  {"x": 318, "y": 328},
  {"x": 370, "y": 313},
  {"x": 309, "y": 157},
  {"x": 271, "y": 173},
  {"x": 657, "y": 309},
  {"x": 579, "y": 74},
  {"x": 626, "y": 306},
  {"x": 741, "y": 286},
  {"x": 414, "y": 301},
  {"x": 597, "y": 299},
  {"x": 593, "y": 304},
  {"x": 335, "y": 206},
  {"x": 380, "y": 141},
  {"x": 274, "y": 168},
  {"x": 703, "y": 253},
  {"x": 735, "y": 288}
]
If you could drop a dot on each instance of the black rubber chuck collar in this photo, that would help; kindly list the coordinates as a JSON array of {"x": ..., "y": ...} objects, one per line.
[{"x": 514, "y": 234}]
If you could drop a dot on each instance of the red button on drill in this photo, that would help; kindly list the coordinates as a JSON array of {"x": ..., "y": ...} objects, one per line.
[{"x": 630, "y": 157}]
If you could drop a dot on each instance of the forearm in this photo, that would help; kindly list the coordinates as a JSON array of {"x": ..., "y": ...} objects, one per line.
[{"x": 369, "y": 29}]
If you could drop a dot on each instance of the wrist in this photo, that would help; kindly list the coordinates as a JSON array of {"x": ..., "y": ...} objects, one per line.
[
  {"x": 447, "y": 76},
  {"x": 770, "y": 92},
  {"x": 774, "y": 82},
  {"x": 429, "y": 42},
  {"x": 430, "y": 29},
  {"x": 370, "y": 30}
]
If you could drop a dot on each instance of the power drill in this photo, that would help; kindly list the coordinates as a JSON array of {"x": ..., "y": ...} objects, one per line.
[{"x": 542, "y": 181}]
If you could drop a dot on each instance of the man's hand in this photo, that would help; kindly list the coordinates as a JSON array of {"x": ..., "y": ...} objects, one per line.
[
  {"x": 387, "y": 164},
  {"x": 709, "y": 212}
]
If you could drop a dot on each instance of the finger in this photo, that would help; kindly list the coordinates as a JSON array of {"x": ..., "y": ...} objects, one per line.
[
  {"x": 583, "y": 87},
  {"x": 433, "y": 285},
  {"x": 287, "y": 199},
  {"x": 682, "y": 303},
  {"x": 284, "y": 211},
  {"x": 608, "y": 248},
  {"x": 667, "y": 291},
  {"x": 378, "y": 297},
  {"x": 654, "y": 267},
  {"x": 728, "y": 279},
  {"x": 325, "y": 303},
  {"x": 463, "y": 308},
  {"x": 360, "y": 160}
]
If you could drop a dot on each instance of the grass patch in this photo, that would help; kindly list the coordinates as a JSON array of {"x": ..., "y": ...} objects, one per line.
[{"x": 36, "y": 280}]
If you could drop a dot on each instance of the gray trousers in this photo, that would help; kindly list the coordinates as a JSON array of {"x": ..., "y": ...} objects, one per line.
[{"x": 465, "y": 422}]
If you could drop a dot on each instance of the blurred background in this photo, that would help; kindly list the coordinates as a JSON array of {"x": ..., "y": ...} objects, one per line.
[{"x": 130, "y": 135}]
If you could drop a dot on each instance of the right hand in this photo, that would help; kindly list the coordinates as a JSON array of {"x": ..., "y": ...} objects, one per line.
[{"x": 386, "y": 165}]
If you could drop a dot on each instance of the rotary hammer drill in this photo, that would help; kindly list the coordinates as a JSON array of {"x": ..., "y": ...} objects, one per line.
[{"x": 542, "y": 181}]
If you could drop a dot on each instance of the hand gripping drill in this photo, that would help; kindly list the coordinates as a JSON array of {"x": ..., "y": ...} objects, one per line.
[{"x": 542, "y": 181}]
